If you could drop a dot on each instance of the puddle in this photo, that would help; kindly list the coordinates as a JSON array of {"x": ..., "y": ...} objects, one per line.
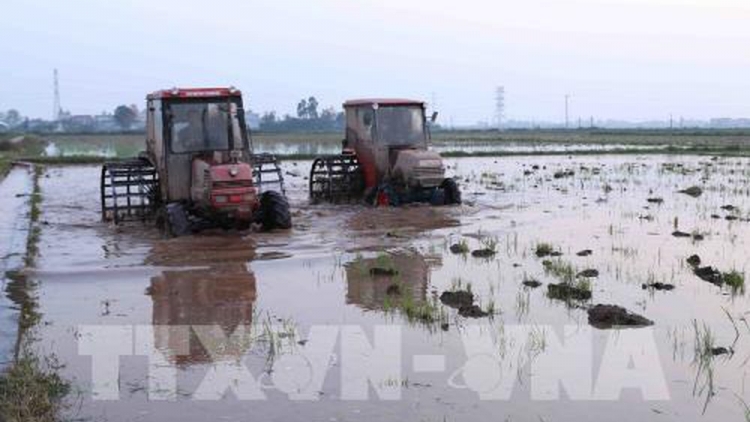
[{"x": 271, "y": 289}]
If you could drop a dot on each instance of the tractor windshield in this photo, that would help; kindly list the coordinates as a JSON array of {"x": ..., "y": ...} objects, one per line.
[
  {"x": 400, "y": 125},
  {"x": 202, "y": 126}
]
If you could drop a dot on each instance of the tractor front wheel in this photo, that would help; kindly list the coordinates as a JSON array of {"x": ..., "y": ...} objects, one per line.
[
  {"x": 451, "y": 192},
  {"x": 274, "y": 211}
]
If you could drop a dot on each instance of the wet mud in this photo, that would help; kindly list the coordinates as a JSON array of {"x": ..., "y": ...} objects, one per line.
[{"x": 350, "y": 265}]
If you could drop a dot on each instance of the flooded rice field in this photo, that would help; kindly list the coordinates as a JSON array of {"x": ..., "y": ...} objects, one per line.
[{"x": 484, "y": 311}]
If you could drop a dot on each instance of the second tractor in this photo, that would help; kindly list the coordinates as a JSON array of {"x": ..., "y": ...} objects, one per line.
[{"x": 385, "y": 158}]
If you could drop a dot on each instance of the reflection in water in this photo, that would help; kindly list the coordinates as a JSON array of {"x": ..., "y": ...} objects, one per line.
[
  {"x": 372, "y": 281},
  {"x": 220, "y": 296}
]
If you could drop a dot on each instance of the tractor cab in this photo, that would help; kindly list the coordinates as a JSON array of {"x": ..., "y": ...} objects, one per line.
[
  {"x": 195, "y": 134},
  {"x": 390, "y": 138}
]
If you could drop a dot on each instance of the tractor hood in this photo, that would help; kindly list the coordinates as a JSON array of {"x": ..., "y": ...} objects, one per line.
[{"x": 419, "y": 168}]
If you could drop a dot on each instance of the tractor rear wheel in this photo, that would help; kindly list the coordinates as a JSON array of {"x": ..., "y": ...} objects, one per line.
[
  {"x": 451, "y": 192},
  {"x": 274, "y": 211},
  {"x": 173, "y": 220}
]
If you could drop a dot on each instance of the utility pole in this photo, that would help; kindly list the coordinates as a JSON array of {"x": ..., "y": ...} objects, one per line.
[
  {"x": 56, "y": 105},
  {"x": 500, "y": 106},
  {"x": 567, "y": 98},
  {"x": 592, "y": 122}
]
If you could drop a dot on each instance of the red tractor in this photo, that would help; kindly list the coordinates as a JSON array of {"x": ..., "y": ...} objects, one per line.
[
  {"x": 385, "y": 158},
  {"x": 198, "y": 170}
]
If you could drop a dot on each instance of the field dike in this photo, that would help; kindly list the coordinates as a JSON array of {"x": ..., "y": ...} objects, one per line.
[{"x": 30, "y": 388}]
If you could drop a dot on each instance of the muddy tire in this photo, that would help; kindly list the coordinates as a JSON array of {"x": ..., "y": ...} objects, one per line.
[
  {"x": 451, "y": 192},
  {"x": 173, "y": 221},
  {"x": 274, "y": 211}
]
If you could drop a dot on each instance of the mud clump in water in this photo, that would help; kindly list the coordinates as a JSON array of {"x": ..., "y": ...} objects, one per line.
[
  {"x": 459, "y": 248},
  {"x": 694, "y": 191},
  {"x": 694, "y": 260},
  {"x": 589, "y": 273},
  {"x": 655, "y": 200},
  {"x": 483, "y": 253},
  {"x": 709, "y": 274},
  {"x": 457, "y": 299},
  {"x": 567, "y": 292},
  {"x": 472, "y": 311},
  {"x": 563, "y": 173},
  {"x": 585, "y": 252},
  {"x": 658, "y": 286},
  {"x": 532, "y": 283},
  {"x": 609, "y": 316},
  {"x": 678, "y": 233},
  {"x": 717, "y": 351},
  {"x": 382, "y": 271}
]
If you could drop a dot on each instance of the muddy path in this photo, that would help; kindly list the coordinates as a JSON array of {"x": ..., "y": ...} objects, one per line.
[
  {"x": 358, "y": 270},
  {"x": 14, "y": 226}
]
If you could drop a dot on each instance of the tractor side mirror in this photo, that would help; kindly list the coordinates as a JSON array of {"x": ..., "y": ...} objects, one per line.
[{"x": 434, "y": 116}]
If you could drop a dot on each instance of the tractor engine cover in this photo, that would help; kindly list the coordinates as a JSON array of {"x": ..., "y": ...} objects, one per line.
[
  {"x": 419, "y": 168},
  {"x": 224, "y": 188}
]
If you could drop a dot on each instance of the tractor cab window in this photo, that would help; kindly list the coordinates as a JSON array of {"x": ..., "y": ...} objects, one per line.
[
  {"x": 199, "y": 127},
  {"x": 400, "y": 125}
]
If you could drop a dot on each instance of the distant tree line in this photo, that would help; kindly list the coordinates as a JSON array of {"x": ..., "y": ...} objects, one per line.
[{"x": 308, "y": 119}]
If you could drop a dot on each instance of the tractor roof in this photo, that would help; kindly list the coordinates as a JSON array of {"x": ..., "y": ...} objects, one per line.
[
  {"x": 195, "y": 93},
  {"x": 383, "y": 102}
]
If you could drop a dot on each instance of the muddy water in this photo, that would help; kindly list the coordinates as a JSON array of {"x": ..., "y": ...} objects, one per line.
[
  {"x": 364, "y": 271},
  {"x": 14, "y": 226}
]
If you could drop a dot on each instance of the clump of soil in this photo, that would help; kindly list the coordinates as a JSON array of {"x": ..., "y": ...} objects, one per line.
[
  {"x": 483, "y": 253},
  {"x": 694, "y": 260},
  {"x": 716, "y": 351},
  {"x": 472, "y": 311},
  {"x": 585, "y": 252},
  {"x": 731, "y": 218},
  {"x": 728, "y": 207},
  {"x": 694, "y": 191},
  {"x": 609, "y": 316},
  {"x": 567, "y": 292},
  {"x": 563, "y": 173},
  {"x": 382, "y": 271},
  {"x": 459, "y": 248},
  {"x": 545, "y": 249},
  {"x": 655, "y": 200},
  {"x": 658, "y": 286},
  {"x": 531, "y": 283},
  {"x": 457, "y": 299},
  {"x": 463, "y": 300},
  {"x": 709, "y": 274},
  {"x": 589, "y": 273},
  {"x": 678, "y": 233}
]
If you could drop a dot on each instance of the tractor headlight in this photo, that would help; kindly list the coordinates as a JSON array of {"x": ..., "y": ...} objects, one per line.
[{"x": 233, "y": 172}]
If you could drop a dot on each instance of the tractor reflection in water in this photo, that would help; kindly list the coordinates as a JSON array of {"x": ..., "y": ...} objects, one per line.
[
  {"x": 393, "y": 281},
  {"x": 215, "y": 303}
]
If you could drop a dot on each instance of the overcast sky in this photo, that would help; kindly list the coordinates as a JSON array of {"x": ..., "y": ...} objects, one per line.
[{"x": 625, "y": 59}]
